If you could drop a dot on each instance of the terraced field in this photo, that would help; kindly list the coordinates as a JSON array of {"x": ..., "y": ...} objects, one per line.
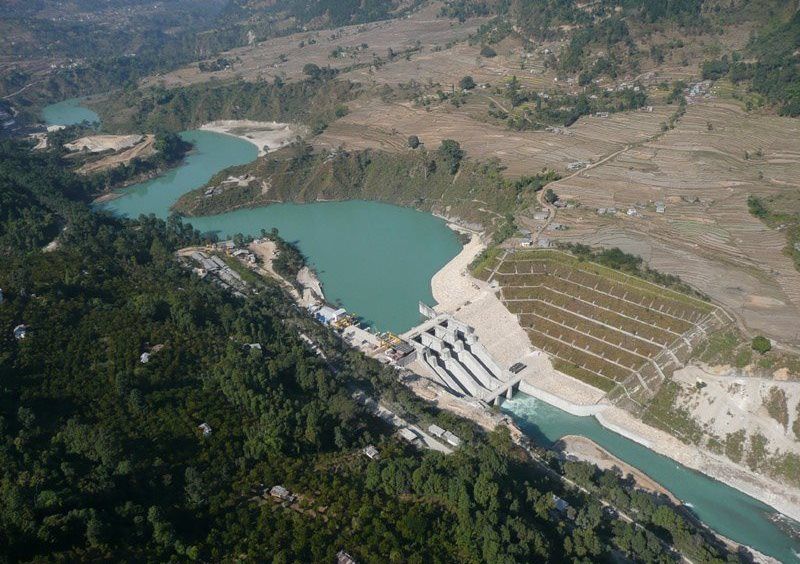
[{"x": 614, "y": 331}]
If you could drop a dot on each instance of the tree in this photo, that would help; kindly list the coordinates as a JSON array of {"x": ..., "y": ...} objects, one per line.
[
  {"x": 467, "y": 83},
  {"x": 413, "y": 141},
  {"x": 550, "y": 196},
  {"x": 312, "y": 70},
  {"x": 451, "y": 151},
  {"x": 761, "y": 344},
  {"x": 488, "y": 52}
]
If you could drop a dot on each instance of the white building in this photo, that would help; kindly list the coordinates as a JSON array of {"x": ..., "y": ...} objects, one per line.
[
  {"x": 328, "y": 315},
  {"x": 20, "y": 331},
  {"x": 281, "y": 493}
]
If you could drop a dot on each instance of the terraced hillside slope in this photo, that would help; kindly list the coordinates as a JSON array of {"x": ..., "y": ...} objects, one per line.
[{"x": 619, "y": 333}]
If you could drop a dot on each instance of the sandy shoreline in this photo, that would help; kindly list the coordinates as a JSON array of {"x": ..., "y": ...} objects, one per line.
[
  {"x": 472, "y": 301},
  {"x": 266, "y": 136}
]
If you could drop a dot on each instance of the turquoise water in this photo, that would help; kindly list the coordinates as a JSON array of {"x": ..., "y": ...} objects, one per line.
[
  {"x": 68, "y": 112},
  {"x": 375, "y": 259},
  {"x": 732, "y": 513}
]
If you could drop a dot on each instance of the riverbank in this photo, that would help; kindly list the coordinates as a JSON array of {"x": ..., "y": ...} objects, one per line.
[
  {"x": 266, "y": 136},
  {"x": 775, "y": 494},
  {"x": 115, "y": 191},
  {"x": 580, "y": 448}
]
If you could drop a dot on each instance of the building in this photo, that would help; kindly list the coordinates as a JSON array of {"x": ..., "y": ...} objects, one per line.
[
  {"x": 282, "y": 493},
  {"x": 328, "y": 315},
  {"x": 451, "y": 439},
  {"x": 244, "y": 254},
  {"x": 408, "y": 434},
  {"x": 227, "y": 246},
  {"x": 205, "y": 428},
  {"x": 145, "y": 358},
  {"x": 660, "y": 207},
  {"x": 561, "y": 505},
  {"x": 543, "y": 243},
  {"x": 372, "y": 452},
  {"x": 343, "y": 558},
  {"x": 20, "y": 331},
  {"x": 541, "y": 215},
  {"x": 401, "y": 354},
  {"x": 445, "y": 435}
]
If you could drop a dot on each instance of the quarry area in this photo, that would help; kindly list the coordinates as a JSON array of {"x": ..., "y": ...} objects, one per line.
[
  {"x": 105, "y": 152},
  {"x": 266, "y": 136}
]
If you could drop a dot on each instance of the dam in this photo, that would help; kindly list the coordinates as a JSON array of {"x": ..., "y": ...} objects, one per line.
[{"x": 460, "y": 363}]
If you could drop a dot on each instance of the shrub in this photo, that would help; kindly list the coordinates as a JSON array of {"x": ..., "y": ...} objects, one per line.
[
  {"x": 467, "y": 83},
  {"x": 451, "y": 151},
  {"x": 761, "y": 344},
  {"x": 488, "y": 52},
  {"x": 413, "y": 141}
]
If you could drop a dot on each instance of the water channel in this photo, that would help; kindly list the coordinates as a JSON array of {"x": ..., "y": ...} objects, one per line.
[{"x": 377, "y": 260}]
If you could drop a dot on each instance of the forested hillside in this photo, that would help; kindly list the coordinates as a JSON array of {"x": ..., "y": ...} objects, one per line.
[
  {"x": 771, "y": 65},
  {"x": 102, "y": 456},
  {"x": 313, "y": 101},
  {"x": 440, "y": 180}
]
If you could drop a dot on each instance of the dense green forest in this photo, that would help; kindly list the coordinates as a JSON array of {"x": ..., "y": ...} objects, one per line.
[
  {"x": 102, "y": 456},
  {"x": 313, "y": 101}
]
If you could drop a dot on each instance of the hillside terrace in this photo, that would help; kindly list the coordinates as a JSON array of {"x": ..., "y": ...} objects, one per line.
[{"x": 619, "y": 333}]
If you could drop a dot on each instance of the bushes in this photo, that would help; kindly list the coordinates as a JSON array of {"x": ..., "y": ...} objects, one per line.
[
  {"x": 761, "y": 344},
  {"x": 451, "y": 151},
  {"x": 467, "y": 83},
  {"x": 757, "y": 207}
]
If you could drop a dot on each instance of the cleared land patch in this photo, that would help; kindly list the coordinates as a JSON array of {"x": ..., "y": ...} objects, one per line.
[{"x": 620, "y": 333}]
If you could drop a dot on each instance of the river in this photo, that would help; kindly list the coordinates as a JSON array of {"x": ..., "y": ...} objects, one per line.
[{"x": 377, "y": 260}]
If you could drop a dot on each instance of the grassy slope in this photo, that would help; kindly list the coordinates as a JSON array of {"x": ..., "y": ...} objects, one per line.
[{"x": 418, "y": 178}]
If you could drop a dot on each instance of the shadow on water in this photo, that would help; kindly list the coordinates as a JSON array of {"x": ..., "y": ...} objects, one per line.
[{"x": 535, "y": 433}]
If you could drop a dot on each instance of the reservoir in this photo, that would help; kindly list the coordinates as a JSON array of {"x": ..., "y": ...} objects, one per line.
[
  {"x": 374, "y": 259},
  {"x": 68, "y": 112},
  {"x": 378, "y": 260}
]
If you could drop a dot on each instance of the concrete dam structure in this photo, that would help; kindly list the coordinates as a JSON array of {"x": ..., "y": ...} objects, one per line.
[{"x": 462, "y": 364}]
